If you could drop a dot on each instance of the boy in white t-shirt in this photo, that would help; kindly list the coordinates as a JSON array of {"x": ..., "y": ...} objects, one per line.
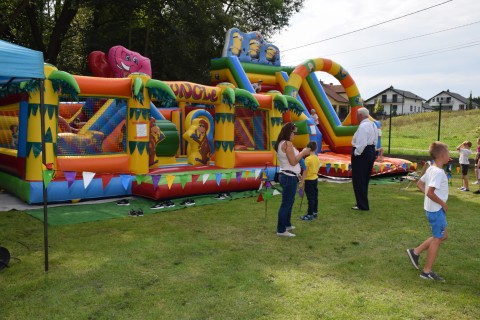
[
  {"x": 464, "y": 152},
  {"x": 434, "y": 184}
]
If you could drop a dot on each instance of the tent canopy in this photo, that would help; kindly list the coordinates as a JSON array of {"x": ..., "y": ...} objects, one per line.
[{"x": 19, "y": 64}]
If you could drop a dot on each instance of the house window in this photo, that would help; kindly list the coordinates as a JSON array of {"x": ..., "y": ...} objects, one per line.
[
  {"x": 394, "y": 98},
  {"x": 441, "y": 98},
  {"x": 438, "y": 99},
  {"x": 384, "y": 98},
  {"x": 449, "y": 99},
  {"x": 461, "y": 107},
  {"x": 411, "y": 108}
]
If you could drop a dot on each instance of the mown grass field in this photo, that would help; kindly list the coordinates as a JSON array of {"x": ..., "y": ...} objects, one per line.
[
  {"x": 412, "y": 134},
  {"x": 224, "y": 261}
]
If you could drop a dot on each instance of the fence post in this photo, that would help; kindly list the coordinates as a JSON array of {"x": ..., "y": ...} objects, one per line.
[
  {"x": 439, "y": 120},
  {"x": 389, "y": 129}
]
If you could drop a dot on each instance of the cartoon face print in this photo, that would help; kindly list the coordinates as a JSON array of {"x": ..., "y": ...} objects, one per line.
[{"x": 125, "y": 62}]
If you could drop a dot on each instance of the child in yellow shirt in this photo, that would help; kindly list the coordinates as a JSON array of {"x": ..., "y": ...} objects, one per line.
[{"x": 310, "y": 181}]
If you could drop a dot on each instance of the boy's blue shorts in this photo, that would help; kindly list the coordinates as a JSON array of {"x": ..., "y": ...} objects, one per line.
[{"x": 438, "y": 221}]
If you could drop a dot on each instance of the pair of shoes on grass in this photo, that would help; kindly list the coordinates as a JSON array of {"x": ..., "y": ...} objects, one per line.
[
  {"x": 424, "y": 275},
  {"x": 222, "y": 196},
  {"x": 163, "y": 204},
  {"x": 136, "y": 213},
  {"x": 188, "y": 202},
  {"x": 123, "y": 202}
]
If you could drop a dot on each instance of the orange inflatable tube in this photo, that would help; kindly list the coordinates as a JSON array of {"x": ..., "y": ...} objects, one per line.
[
  {"x": 253, "y": 158},
  {"x": 98, "y": 164},
  {"x": 112, "y": 87}
]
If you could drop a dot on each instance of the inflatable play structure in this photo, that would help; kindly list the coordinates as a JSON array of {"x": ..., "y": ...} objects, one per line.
[{"x": 107, "y": 136}]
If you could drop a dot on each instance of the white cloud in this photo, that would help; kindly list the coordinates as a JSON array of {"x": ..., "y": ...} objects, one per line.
[{"x": 456, "y": 70}]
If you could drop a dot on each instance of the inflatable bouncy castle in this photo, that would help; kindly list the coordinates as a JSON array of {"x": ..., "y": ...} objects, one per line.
[{"x": 123, "y": 132}]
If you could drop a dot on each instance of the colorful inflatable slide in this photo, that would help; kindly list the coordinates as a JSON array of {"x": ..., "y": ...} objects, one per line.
[{"x": 106, "y": 136}]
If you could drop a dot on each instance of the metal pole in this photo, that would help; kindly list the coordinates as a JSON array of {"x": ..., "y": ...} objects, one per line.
[
  {"x": 390, "y": 130},
  {"x": 439, "y": 120},
  {"x": 44, "y": 161}
]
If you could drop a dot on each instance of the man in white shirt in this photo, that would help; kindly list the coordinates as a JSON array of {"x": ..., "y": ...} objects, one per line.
[{"x": 364, "y": 144}]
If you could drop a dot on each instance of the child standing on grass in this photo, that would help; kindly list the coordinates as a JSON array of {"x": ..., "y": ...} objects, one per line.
[
  {"x": 477, "y": 158},
  {"x": 310, "y": 179},
  {"x": 464, "y": 152},
  {"x": 434, "y": 184}
]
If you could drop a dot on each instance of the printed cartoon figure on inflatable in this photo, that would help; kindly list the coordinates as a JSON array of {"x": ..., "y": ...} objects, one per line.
[
  {"x": 119, "y": 63},
  {"x": 198, "y": 149}
]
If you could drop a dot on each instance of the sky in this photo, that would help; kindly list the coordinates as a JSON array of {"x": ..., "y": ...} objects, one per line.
[{"x": 425, "y": 65}]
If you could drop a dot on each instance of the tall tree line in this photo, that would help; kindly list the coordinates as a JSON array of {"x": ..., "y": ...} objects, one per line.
[{"x": 180, "y": 37}]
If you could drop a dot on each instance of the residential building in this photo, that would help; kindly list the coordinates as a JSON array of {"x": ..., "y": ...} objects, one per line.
[
  {"x": 396, "y": 101},
  {"x": 449, "y": 101},
  {"x": 338, "y": 98}
]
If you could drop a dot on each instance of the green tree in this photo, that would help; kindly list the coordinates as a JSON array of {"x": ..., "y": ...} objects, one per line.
[{"x": 180, "y": 37}]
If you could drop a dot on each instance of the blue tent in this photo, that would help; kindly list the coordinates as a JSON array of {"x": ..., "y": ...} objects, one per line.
[{"x": 19, "y": 64}]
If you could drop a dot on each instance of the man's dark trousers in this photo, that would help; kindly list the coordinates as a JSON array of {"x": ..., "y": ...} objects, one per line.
[{"x": 361, "y": 170}]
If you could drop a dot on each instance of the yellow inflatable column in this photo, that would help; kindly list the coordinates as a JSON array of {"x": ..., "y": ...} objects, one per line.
[
  {"x": 276, "y": 123},
  {"x": 224, "y": 128},
  {"x": 138, "y": 124},
  {"x": 33, "y": 170}
]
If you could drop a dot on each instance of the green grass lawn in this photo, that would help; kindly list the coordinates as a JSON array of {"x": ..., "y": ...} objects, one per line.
[
  {"x": 412, "y": 134},
  {"x": 224, "y": 261}
]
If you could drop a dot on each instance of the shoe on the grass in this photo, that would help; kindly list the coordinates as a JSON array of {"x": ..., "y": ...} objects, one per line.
[
  {"x": 431, "y": 276},
  {"x": 158, "y": 205},
  {"x": 461, "y": 188},
  {"x": 285, "y": 234},
  {"x": 123, "y": 202},
  {"x": 413, "y": 257},
  {"x": 140, "y": 212},
  {"x": 307, "y": 217},
  {"x": 132, "y": 213},
  {"x": 290, "y": 228},
  {"x": 220, "y": 196},
  {"x": 476, "y": 192},
  {"x": 475, "y": 182},
  {"x": 188, "y": 202},
  {"x": 465, "y": 190},
  {"x": 169, "y": 204}
]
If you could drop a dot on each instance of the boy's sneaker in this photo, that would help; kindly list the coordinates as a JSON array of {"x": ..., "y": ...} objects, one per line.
[
  {"x": 188, "y": 202},
  {"x": 132, "y": 213},
  {"x": 169, "y": 204},
  {"x": 475, "y": 182},
  {"x": 476, "y": 192},
  {"x": 465, "y": 190},
  {"x": 461, "y": 188},
  {"x": 123, "y": 202},
  {"x": 431, "y": 276},
  {"x": 159, "y": 205},
  {"x": 220, "y": 196},
  {"x": 306, "y": 217},
  {"x": 140, "y": 212},
  {"x": 413, "y": 257}
]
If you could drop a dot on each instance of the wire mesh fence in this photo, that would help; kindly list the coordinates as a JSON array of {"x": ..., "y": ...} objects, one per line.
[{"x": 412, "y": 134}]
